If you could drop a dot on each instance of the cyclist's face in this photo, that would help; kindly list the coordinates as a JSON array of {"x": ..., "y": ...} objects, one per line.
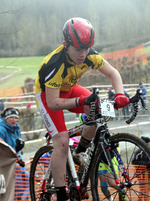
[
  {"x": 77, "y": 55},
  {"x": 12, "y": 121}
]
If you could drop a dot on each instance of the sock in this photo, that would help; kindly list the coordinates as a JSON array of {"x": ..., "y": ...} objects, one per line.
[
  {"x": 61, "y": 193},
  {"x": 83, "y": 145}
]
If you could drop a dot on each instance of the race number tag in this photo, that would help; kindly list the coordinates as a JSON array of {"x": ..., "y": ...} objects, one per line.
[{"x": 107, "y": 109}]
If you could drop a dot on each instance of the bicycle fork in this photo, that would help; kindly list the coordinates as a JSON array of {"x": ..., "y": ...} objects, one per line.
[{"x": 125, "y": 174}]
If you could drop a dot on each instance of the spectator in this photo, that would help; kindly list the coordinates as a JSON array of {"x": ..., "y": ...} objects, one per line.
[
  {"x": 10, "y": 130},
  {"x": 28, "y": 105},
  {"x": 10, "y": 133},
  {"x": 111, "y": 94},
  {"x": 30, "y": 117},
  {"x": 125, "y": 110},
  {"x": 144, "y": 90},
  {"x": 111, "y": 97}
]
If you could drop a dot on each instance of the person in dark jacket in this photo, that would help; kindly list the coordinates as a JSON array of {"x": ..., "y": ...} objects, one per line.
[
  {"x": 111, "y": 94},
  {"x": 144, "y": 90}
]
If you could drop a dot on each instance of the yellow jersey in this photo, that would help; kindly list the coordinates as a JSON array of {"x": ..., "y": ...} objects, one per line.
[{"x": 59, "y": 72}]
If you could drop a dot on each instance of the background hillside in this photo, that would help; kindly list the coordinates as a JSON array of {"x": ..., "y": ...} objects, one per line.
[{"x": 34, "y": 27}]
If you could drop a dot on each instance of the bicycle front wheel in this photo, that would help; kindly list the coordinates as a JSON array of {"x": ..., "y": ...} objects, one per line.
[
  {"x": 136, "y": 187},
  {"x": 42, "y": 186}
]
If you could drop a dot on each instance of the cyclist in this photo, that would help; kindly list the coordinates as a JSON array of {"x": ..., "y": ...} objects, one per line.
[{"x": 57, "y": 90}]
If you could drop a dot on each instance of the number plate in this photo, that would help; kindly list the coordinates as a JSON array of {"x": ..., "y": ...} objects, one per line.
[{"x": 107, "y": 109}]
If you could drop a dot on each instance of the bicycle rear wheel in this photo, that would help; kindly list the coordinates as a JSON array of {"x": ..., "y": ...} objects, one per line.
[
  {"x": 42, "y": 186},
  {"x": 138, "y": 188}
]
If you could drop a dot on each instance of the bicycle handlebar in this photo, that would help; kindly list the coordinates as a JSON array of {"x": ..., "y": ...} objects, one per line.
[{"x": 134, "y": 100}]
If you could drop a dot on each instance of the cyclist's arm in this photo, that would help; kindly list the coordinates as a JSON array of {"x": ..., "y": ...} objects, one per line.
[
  {"x": 56, "y": 103},
  {"x": 114, "y": 77}
]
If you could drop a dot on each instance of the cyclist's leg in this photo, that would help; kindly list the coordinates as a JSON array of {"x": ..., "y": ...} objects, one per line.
[
  {"x": 88, "y": 133},
  {"x": 55, "y": 124},
  {"x": 59, "y": 158}
]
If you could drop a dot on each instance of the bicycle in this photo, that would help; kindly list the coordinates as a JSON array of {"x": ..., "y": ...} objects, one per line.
[{"x": 80, "y": 182}]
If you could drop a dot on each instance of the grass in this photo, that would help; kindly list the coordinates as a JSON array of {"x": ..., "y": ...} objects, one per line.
[{"x": 29, "y": 68}]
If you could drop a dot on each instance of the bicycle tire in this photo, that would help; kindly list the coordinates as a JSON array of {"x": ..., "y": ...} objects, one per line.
[
  {"x": 139, "y": 190},
  {"x": 39, "y": 165}
]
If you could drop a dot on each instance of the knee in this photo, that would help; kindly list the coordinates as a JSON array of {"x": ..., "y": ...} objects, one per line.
[
  {"x": 63, "y": 148},
  {"x": 104, "y": 186},
  {"x": 61, "y": 145}
]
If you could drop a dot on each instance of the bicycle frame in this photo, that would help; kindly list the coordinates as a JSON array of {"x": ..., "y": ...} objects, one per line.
[{"x": 98, "y": 140}]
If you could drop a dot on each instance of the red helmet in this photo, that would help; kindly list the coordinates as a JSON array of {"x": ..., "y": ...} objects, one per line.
[{"x": 79, "y": 32}]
